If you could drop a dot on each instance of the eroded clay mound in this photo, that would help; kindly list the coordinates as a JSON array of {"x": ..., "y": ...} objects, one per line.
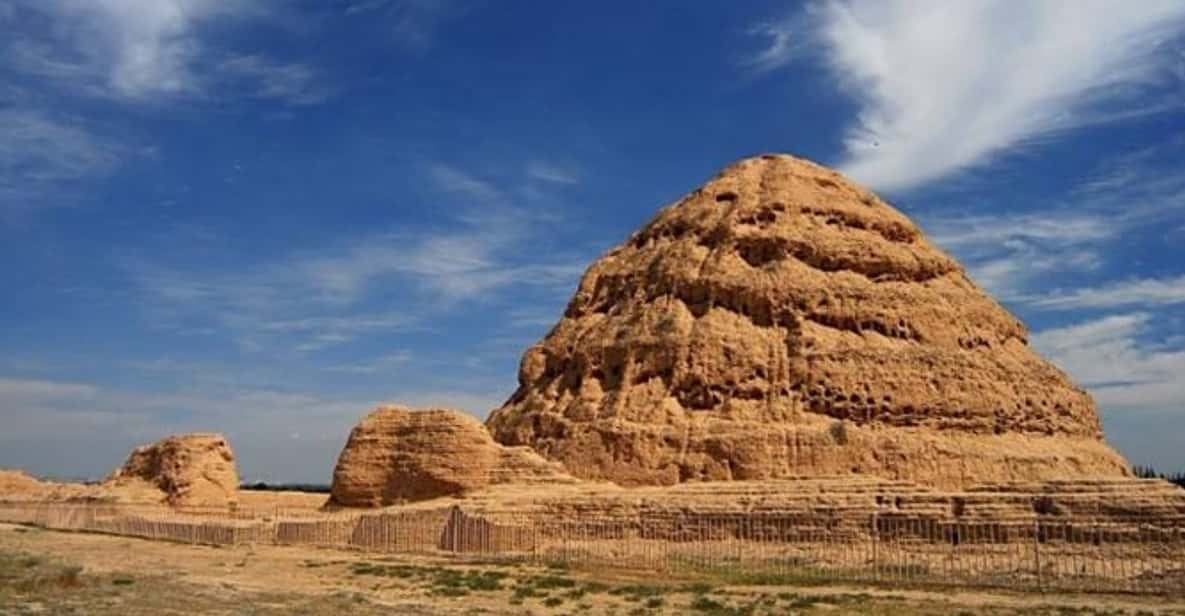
[
  {"x": 396, "y": 454},
  {"x": 18, "y": 482},
  {"x": 189, "y": 469},
  {"x": 782, "y": 321}
]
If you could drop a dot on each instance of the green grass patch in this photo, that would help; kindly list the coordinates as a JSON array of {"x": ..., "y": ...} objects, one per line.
[
  {"x": 551, "y": 581},
  {"x": 799, "y": 602},
  {"x": 469, "y": 580},
  {"x": 442, "y": 581},
  {"x": 707, "y": 605},
  {"x": 448, "y": 591},
  {"x": 638, "y": 592}
]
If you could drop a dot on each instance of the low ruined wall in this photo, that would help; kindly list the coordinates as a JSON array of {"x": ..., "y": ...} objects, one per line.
[{"x": 1071, "y": 537}]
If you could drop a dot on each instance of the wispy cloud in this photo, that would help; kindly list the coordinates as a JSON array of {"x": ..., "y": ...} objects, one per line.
[
  {"x": 16, "y": 392},
  {"x": 65, "y": 54},
  {"x": 551, "y": 172},
  {"x": 285, "y": 433},
  {"x": 100, "y": 424},
  {"x": 1110, "y": 357},
  {"x": 130, "y": 49},
  {"x": 944, "y": 86},
  {"x": 265, "y": 307},
  {"x": 383, "y": 363},
  {"x": 1006, "y": 253},
  {"x": 413, "y": 23},
  {"x": 42, "y": 155},
  {"x": 785, "y": 41},
  {"x": 450, "y": 179},
  {"x": 290, "y": 82},
  {"x": 1021, "y": 255},
  {"x": 1139, "y": 292},
  {"x": 327, "y": 296}
]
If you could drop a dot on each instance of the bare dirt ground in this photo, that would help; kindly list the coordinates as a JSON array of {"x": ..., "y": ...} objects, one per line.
[
  {"x": 290, "y": 499},
  {"x": 47, "y": 572}
]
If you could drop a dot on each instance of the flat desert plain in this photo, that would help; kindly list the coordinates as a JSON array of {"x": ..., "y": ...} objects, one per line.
[{"x": 50, "y": 572}]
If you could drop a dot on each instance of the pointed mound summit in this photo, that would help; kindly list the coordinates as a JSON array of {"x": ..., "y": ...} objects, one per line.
[{"x": 782, "y": 321}]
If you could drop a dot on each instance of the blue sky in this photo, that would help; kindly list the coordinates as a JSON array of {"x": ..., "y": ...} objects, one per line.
[{"x": 262, "y": 218}]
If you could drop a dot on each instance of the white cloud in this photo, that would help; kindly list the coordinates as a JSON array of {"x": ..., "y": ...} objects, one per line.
[
  {"x": 944, "y": 86},
  {"x": 133, "y": 49},
  {"x": 99, "y": 425},
  {"x": 551, "y": 172},
  {"x": 1139, "y": 292},
  {"x": 413, "y": 23},
  {"x": 1058, "y": 227},
  {"x": 150, "y": 50},
  {"x": 328, "y": 296},
  {"x": 15, "y": 392},
  {"x": 126, "y": 51},
  {"x": 384, "y": 363},
  {"x": 449, "y": 179},
  {"x": 784, "y": 44},
  {"x": 1109, "y": 358},
  {"x": 1006, "y": 253},
  {"x": 294, "y": 83},
  {"x": 42, "y": 154},
  {"x": 1021, "y": 255}
]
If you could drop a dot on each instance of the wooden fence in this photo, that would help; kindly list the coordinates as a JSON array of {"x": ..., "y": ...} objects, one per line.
[{"x": 1128, "y": 555}]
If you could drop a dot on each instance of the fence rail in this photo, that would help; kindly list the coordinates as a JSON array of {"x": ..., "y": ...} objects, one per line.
[{"x": 1117, "y": 555}]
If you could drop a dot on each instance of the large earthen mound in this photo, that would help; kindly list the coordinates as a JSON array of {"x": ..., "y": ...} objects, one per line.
[
  {"x": 781, "y": 321},
  {"x": 188, "y": 469},
  {"x": 396, "y": 454}
]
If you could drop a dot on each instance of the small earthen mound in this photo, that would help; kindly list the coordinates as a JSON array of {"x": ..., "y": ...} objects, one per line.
[
  {"x": 782, "y": 321},
  {"x": 17, "y": 484},
  {"x": 397, "y": 454},
  {"x": 190, "y": 469}
]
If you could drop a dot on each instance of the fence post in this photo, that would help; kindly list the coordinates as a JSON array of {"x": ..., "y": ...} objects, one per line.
[
  {"x": 873, "y": 532},
  {"x": 1037, "y": 549}
]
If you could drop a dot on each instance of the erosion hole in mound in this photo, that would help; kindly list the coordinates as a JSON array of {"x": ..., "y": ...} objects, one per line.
[{"x": 758, "y": 252}]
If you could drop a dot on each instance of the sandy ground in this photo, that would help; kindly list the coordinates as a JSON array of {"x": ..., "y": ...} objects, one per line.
[
  {"x": 288, "y": 499},
  {"x": 61, "y": 573}
]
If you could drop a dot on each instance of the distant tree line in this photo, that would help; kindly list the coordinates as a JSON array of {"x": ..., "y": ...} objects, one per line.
[
  {"x": 1147, "y": 472},
  {"x": 286, "y": 487}
]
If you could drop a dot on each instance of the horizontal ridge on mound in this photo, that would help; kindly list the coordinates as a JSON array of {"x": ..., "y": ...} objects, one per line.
[
  {"x": 781, "y": 320},
  {"x": 825, "y": 500},
  {"x": 397, "y": 454}
]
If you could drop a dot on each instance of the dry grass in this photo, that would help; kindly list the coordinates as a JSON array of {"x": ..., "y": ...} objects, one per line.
[{"x": 64, "y": 573}]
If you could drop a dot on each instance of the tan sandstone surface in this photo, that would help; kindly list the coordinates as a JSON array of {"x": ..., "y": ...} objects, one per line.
[
  {"x": 782, "y": 321},
  {"x": 188, "y": 469},
  {"x": 18, "y": 486},
  {"x": 397, "y": 454}
]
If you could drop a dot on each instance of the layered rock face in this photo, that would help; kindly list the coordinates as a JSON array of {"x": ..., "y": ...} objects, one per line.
[
  {"x": 190, "y": 469},
  {"x": 396, "y": 454},
  {"x": 782, "y": 321}
]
